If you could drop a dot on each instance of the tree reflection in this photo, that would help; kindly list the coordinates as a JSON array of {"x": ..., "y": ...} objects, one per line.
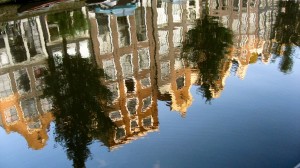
[
  {"x": 79, "y": 99},
  {"x": 286, "y": 33},
  {"x": 70, "y": 23},
  {"x": 206, "y": 47}
]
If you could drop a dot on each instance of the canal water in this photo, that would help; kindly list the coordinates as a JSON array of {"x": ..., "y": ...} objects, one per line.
[{"x": 155, "y": 84}]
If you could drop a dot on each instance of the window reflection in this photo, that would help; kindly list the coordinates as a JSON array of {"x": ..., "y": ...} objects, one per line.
[
  {"x": 124, "y": 32},
  {"x": 11, "y": 115},
  {"x": 22, "y": 81},
  {"x": 104, "y": 33},
  {"x": 29, "y": 108},
  {"x": 5, "y": 86},
  {"x": 144, "y": 58},
  {"x": 141, "y": 26},
  {"x": 109, "y": 69},
  {"x": 126, "y": 63}
]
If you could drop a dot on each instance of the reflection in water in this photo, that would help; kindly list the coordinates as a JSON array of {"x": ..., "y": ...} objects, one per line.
[
  {"x": 141, "y": 59},
  {"x": 79, "y": 99},
  {"x": 286, "y": 33},
  {"x": 67, "y": 23},
  {"x": 206, "y": 47},
  {"x": 22, "y": 107}
]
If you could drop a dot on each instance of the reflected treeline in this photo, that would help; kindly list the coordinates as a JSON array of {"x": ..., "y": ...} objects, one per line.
[
  {"x": 286, "y": 33},
  {"x": 206, "y": 47},
  {"x": 79, "y": 99}
]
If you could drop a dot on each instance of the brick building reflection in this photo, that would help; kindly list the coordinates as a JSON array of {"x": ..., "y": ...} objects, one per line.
[
  {"x": 251, "y": 22},
  {"x": 22, "y": 109},
  {"x": 124, "y": 48},
  {"x": 140, "y": 54},
  {"x": 174, "y": 79}
]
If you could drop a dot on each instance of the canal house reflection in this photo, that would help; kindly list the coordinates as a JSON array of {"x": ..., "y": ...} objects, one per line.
[
  {"x": 126, "y": 55},
  {"x": 106, "y": 73}
]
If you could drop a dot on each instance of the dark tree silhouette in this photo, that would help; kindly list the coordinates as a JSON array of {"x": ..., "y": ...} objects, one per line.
[
  {"x": 79, "y": 100},
  {"x": 205, "y": 47},
  {"x": 286, "y": 33}
]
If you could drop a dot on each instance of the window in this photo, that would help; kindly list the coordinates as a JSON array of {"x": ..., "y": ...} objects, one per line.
[
  {"x": 84, "y": 49},
  {"x": 244, "y": 23},
  {"x": 225, "y": 21},
  {"x": 109, "y": 69},
  {"x": 235, "y": 26},
  {"x": 144, "y": 58},
  {"x": 22, "y": 81},
  {"x": 29, "y": 108},
  {"x": 132, "y": 106},
  {"x": 180, "y": 82},
  {"x": 46, "y": 104},
  {"x": 115, "y": 115},
  {"x": 162, "y": 16},
  {"x": 146, "y": 103},
  {"x": 176, "y": 12},
  {"x": 115, "y": 90},
  {"x": 120, "y": 133},
  {"x": 145, "y": 82},
  {"x": 104, "y": 34},
  {"x": 177, "y": 36},
  {"x": 130, "y": 85},
  {"x": 34, "y": 125},
  {"x": 11, "y": 115},
  {"x": 5, "y": 86},
  {"x": 3, "y": 58},
  {"x": 178, "y": 64},
  {"x": 133, "y": 125},
  {"x": 244, "y": 3},
  {"x": 163, "y": 42},
  {"x": 165, "y": 70},
  {"x": 54, "y": 32},
  {"x": 39, "y": 75},
  {"x": 126, "y": 64},
  {"x": 141, "y": 26},
  {"x": 124, "y": 31},
  {"x": 71, "y": 49},
  {"x": 147, "y": 122},
  {"x": 32, "y": 37},
  {"x": 16, "y": 43},
  {"x": 235, "y": 5}
]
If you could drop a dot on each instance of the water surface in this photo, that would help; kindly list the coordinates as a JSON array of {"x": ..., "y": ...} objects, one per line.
[{"x": 151, "y": 84}]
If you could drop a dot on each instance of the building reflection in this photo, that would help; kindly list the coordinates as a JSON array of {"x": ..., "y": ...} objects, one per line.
[
  {"x": 123, "y": 47},
  {"x": 174, "y": 79},
  {"x": 22, "y": 107},
  {"x": 251, "y": 23},
  {"x": 140, "y": 53}
]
